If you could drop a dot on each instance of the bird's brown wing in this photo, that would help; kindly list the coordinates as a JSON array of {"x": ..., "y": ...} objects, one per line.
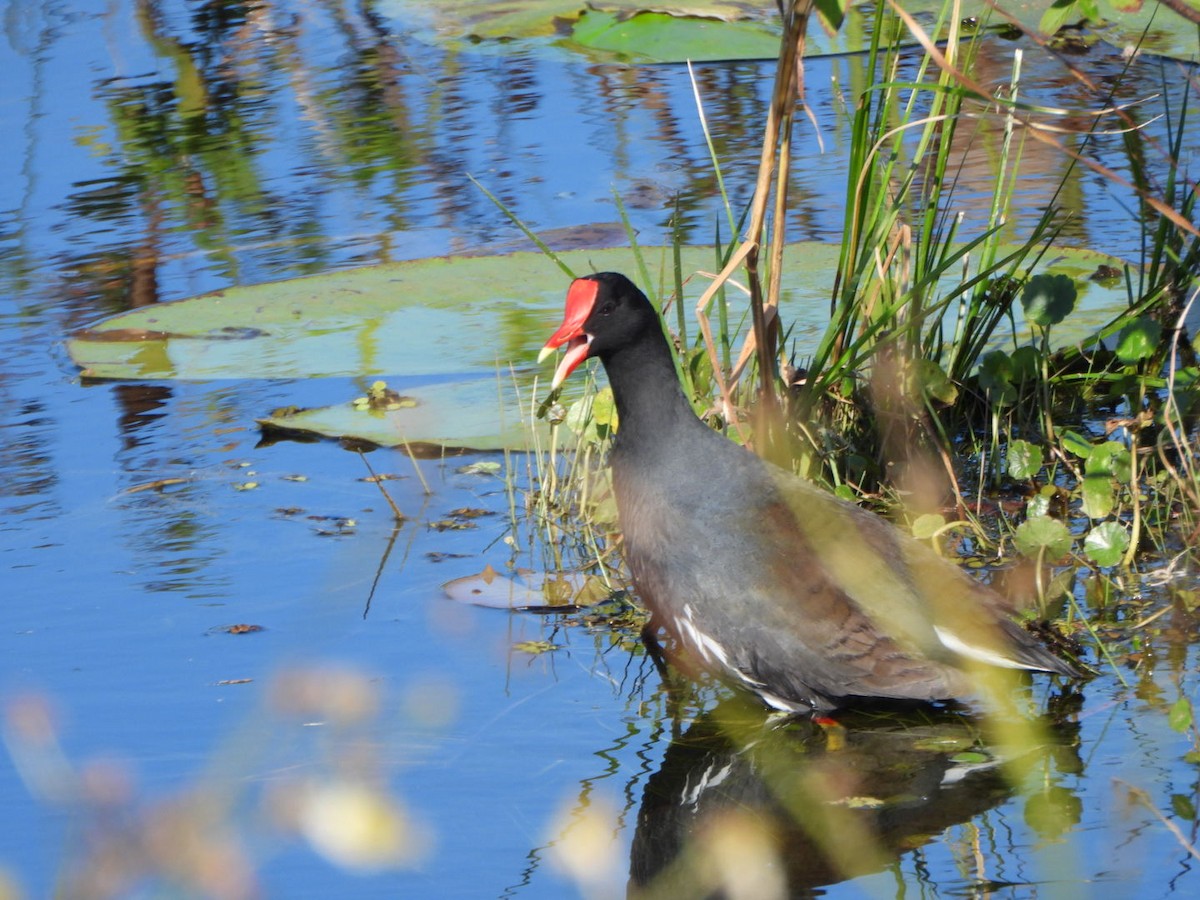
[{"x": 912, "y": 592}]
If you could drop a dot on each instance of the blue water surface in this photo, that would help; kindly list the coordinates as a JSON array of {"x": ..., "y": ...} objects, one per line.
[{"x": 156, "y": 150}]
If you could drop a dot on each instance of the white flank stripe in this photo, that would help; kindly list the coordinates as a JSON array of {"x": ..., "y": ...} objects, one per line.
[
  {"x": 955, "y": 643},
  {"x": 776, "y": 702},
  {"x": 707, "y": 645}
]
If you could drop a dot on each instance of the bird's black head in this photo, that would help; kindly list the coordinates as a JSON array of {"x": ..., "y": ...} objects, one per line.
[{"x": 605, "y": 312}]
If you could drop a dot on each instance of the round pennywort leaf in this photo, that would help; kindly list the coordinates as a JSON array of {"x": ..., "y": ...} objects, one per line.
[
  {"x": 1138, "y": 339},
  {"x": 1110, "y": 458},
  {"x": 927, "y": 525},
  {"x": 995, "y": 377},
  {"x": 1024, "y": 459},
  {"x": 1076, "y": 443},
  {"x": 1097, "y": 491},
  {"x": 1041, "y": 534},
  {"x": 1039, "y": 503},
  {"x": 934, "y": 383},
  {"x": 1106, "y": 543},
  {"x": 1048, "y": 299}
]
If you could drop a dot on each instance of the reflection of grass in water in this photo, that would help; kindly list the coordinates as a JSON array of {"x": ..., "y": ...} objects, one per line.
[{"x": 329, "y": 789}]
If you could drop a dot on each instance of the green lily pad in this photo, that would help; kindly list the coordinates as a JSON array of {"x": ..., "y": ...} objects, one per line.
[
  {"x": 459, "y": 323},
  {"x": 677, "y": 30},
  {"x": 655, "y": 36},
  {"x": 1180, "y": 717},
  {"x": 464, "y": 317},
  {"x": 651, "y": 32},
  {"x": 431, "y": 317},
  {"x": 1148, "y": 25},
  {"x": 448, "y": 317}
]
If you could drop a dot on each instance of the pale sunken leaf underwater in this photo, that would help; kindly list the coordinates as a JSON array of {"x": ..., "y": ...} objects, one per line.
[{"x": 526, "y": 589}]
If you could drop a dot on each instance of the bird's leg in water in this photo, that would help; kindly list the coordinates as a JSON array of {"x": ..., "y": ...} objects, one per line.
[{"x": 655, "y": 648}]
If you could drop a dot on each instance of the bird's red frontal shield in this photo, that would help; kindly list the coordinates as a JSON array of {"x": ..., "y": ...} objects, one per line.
[{"x": 581, "y": 297}]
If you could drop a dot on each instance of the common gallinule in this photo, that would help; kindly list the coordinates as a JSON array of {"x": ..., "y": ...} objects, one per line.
[{"x": 762, "y": 578}]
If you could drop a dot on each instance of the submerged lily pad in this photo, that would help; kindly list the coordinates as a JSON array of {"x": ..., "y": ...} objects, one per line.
[{"x": 527, "y": 590}]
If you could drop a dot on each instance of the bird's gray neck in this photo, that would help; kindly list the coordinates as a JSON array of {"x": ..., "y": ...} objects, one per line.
[{"x": 651, "y": 405}]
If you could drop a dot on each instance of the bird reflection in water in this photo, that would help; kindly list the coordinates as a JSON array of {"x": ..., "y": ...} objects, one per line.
[{"x": 752, "y": 806}]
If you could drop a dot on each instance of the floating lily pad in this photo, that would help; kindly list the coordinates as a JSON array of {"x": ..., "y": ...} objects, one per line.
[
  {"x": 447, "y": 316},
  {"x": 656, "y": 36},
  {"x": 536, "y": 648},
  {"x": 452, "y": 326},
  {"x": 678, "y": 30},
  {"x": 430, "y": 317},
  {"x": 619, "y": 29},
  {"x": 480, "y": 414}
]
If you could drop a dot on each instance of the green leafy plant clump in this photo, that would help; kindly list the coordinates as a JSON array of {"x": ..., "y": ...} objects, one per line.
[{"x": 950, "y": 376}]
